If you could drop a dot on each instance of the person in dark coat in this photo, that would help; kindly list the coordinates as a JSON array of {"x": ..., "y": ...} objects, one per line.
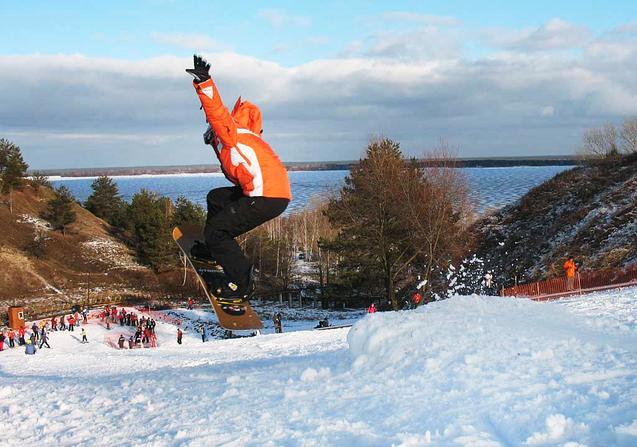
[
  {"x": 120, "y": 341},
  {"x": 44, "y": 339},
  {"x": 180, "y": 334},
  {"x": 278, "y": 324}
]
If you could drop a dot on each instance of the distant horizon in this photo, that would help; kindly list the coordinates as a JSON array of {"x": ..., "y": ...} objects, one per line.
[{"x": 316, "y": 164}]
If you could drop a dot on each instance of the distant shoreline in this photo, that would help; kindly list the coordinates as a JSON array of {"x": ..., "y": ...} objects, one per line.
[{"x": 298, "y": 166}]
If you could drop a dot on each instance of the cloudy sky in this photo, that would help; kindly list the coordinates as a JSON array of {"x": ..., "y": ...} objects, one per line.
[{"x": 102, "y": 83}]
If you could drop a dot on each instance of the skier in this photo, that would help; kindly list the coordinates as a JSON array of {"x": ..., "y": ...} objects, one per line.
[
  {"x": 120, "y": 341},
  {"x": 371, "y": 309},
  {"x": 130, "y": 342},
  {"x": 180, "y": 334},
  {"x": 84, "y": 339},
  {"x": 203, "y": 334},
  {"x": 261, "y": 191}
]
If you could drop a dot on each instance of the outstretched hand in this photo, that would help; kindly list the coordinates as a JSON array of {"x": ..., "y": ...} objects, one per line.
[{"x": 201, "y": 70}]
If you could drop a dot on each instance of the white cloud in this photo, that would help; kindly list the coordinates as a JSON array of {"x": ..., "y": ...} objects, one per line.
[
  {"x": 547, "y": 111},
  {"x": 325, "y": 109},
  {"x": 556, "y": 34},
  {"x": 279, "y": 18},
  {"x": 422, "y": 19},
  {"x": 194, "y": 42}
]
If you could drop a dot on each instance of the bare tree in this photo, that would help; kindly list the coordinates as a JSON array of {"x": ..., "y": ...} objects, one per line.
[
  {"x": 628, "y": 136},
  {"x": 600, "y": 143},
  {"x": 438, "y": 211}
]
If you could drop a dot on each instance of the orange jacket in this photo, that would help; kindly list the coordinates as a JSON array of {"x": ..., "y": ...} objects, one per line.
[
  {"x": 246, "y": 160},
  {"x": 570, "y": 267}
]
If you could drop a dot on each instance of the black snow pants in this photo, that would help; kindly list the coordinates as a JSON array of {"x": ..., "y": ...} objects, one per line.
[{"x": 230, "y": 214}]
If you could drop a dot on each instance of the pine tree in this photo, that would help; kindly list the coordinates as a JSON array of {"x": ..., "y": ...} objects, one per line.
[
  {"x": 149, "y": 221},
  {"x": 105, "y": 201},
  {"x": 188, "y": 212},
  {"x": 12, "y": 166},
  {"x": 60, "y": 213},
  {"x": 373, "y": 239},
  {"x": 39, "y": 180}
]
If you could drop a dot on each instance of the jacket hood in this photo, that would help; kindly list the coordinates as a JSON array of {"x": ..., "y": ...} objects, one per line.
[{"x": 247, "y": 116}]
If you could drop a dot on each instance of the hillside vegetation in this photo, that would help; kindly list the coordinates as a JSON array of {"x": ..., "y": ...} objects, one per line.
[
  {"x": 42, "y": 267},
  {"x": 589, "y": 212}
]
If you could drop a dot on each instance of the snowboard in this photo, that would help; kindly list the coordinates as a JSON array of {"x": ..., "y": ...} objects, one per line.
[{"x": 233, "y": 314}]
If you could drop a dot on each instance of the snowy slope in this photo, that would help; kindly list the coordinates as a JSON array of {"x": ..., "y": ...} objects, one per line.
[{"x": 469, "y": 371}]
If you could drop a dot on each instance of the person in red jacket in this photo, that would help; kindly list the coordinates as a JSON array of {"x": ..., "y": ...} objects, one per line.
[
  {"x": 371, "y": 309},
  {"x": 261, "y": 188}
]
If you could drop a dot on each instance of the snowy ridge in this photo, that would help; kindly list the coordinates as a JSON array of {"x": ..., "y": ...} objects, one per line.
[{"x": 468, "y": 371}]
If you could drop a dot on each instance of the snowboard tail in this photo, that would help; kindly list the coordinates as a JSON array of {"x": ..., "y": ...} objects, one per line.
[{"x": 233, "y": 314}]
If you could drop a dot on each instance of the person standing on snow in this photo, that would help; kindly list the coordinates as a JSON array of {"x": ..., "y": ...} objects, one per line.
[
  {"x": 203, "y": 334},
  {"x": 371, "y": 309},
  {"x": 570, "y": 268},
  {"x": 11, "y": 336},
  {"x": 180, "y": 334},
  {"x": 44, "y": 339},
  {"x": 261, "y": 188},
  {"x": 278, "y": 323},
  {"x": 84, "y": 339},
  {"x": 120, "y": 341}
]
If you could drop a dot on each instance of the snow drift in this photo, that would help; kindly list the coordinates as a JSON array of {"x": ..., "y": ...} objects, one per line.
[{"x": 469, "y": 371}]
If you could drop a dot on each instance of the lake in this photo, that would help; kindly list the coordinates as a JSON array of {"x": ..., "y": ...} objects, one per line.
[{"x": 489, "y": 187}]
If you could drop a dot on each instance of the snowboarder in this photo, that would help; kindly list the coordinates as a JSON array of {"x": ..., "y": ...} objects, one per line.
[
  {"x": 261, "y": 188},
  {"x": 180, "y": 334},
  {"x": 84, "y": 339}
]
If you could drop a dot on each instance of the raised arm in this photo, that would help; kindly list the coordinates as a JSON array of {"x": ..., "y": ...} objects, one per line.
[{"x": 216, "y": 113}]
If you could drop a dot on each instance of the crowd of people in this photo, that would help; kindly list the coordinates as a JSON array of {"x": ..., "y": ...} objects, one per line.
[
  {"x": 144, "y": 327},
  {"x": 37, "y": 336}
]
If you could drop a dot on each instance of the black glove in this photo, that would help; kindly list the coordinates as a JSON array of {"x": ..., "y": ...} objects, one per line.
[{"x": 201, "y": 72}]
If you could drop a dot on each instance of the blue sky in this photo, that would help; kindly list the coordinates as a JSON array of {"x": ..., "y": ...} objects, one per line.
[{"x": 94, "y": 83}]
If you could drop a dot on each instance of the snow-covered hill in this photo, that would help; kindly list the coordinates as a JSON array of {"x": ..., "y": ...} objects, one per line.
[
  {"x": 589, "y": 212},
  {"x": 469, "y": 371}
]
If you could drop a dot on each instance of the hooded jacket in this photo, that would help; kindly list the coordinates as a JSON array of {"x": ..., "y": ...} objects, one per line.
[{"x": 246, "y": 160}]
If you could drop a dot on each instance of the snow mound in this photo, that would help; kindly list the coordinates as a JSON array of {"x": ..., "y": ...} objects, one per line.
[{"x": 483, "y": 330}]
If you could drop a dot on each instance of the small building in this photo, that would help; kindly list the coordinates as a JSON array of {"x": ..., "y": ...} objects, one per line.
[{"x": 16, "y": 317}]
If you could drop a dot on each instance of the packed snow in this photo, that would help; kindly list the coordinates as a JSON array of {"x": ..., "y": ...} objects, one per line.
[{"x": 467, "y": 371}]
